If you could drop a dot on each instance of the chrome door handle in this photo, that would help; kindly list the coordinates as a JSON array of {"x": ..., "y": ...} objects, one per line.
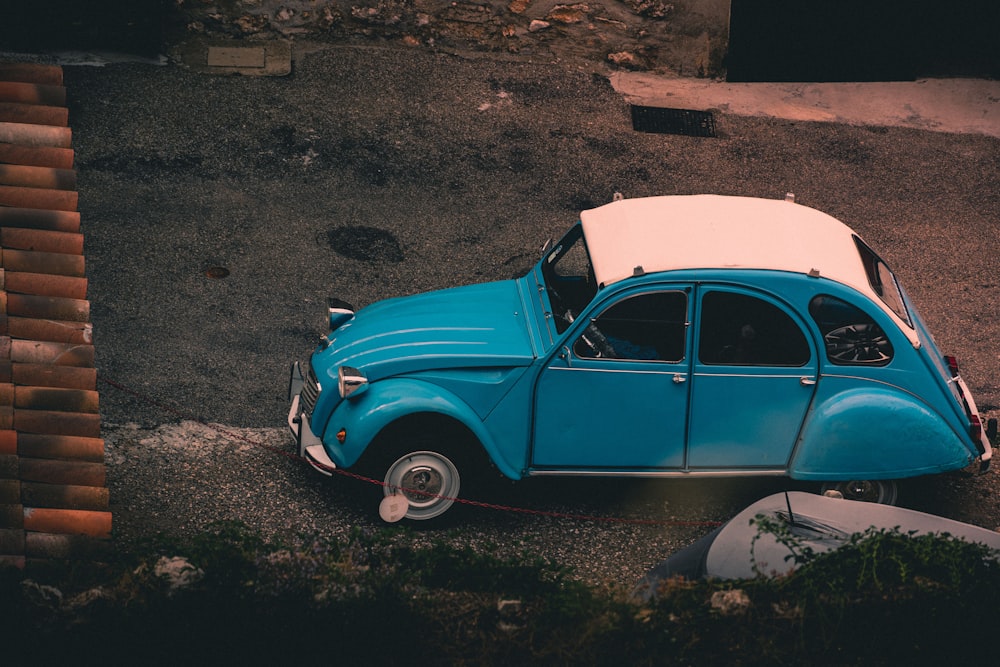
[
  {"x": 678, "y": 378},
  {"x": 806, "y": 382}
]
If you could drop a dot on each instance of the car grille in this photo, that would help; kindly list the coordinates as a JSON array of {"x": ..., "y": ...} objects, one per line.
[{"x": 310, "y": 391}]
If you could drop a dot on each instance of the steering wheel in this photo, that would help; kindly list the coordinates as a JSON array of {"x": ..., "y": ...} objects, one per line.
[{"x": 593, "y": 338}]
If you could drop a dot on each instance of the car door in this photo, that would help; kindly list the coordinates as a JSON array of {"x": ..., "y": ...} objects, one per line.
[
  {"x": 755, "y": 373},
  {"x": 615, "y": 395}
]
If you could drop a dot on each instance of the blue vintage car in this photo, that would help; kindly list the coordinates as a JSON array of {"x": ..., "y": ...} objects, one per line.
[{"x": 673, "y": 336}]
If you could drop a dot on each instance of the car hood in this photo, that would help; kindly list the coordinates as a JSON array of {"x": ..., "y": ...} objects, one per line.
[{"x": 474, "y": 326}]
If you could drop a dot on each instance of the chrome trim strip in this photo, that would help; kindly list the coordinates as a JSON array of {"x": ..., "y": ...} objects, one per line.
[
  {"x": 780, "y": 376},
  {"x": 658, "y": 473},
  {"x": 674, "y": 371},
  {"x": 617, "y": 370},
  {"x": 310, "y": 391}
]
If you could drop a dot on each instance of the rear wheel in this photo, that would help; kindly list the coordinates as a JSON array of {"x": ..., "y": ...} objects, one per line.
[{"x": 881, "y": 491}]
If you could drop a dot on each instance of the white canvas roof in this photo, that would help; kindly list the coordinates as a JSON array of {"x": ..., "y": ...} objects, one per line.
[
  {"x": 716, "y": 231},
  {"x": 721, "y": 232}
]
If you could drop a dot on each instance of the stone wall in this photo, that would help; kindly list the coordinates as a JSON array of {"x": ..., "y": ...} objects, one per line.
[{"x": 684, "y": 37}]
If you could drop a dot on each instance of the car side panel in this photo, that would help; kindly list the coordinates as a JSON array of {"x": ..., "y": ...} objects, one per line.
[
  {"x": 873, "y": 432},
  {"x": 750, "y": 415},
  {"x": 607, "y": 415},
  {"x": 509, "y": 425},
  {"x": 917, "y": 371},
  {"x": 385, "y": 402},
  {"x": 760, "y": 422}
]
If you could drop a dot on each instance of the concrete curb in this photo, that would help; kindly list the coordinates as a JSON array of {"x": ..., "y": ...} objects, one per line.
[
  {"x": 228, "y": 57},
  {"x": 962, "y": 106}
]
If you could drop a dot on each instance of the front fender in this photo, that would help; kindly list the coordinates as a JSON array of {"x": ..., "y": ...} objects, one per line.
[
  {"x": 875, "y": 433},
  {"x": 386, "y": 401}
]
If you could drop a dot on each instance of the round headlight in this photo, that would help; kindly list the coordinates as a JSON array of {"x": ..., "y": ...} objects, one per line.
[{"x": 350, "y": 381}]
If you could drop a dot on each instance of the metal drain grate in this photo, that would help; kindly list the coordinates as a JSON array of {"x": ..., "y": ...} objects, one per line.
[{"x": 673, "y": 121}]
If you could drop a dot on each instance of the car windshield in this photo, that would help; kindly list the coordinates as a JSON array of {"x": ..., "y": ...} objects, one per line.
[
  {"x": 569, "y": 277},
  {"x": 883, "y": 281}
]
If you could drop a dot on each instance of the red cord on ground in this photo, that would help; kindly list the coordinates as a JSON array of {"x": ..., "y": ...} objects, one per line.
[{"x": 345, "y": 473}]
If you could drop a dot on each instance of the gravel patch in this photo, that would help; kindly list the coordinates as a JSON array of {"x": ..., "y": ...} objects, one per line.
[{"x": 177, "y": 479}]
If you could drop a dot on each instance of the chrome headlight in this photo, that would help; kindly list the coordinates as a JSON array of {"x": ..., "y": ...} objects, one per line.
[{"x": 350, "y": 381}]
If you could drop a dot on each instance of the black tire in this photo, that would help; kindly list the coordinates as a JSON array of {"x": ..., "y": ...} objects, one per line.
[{"x": 880, "y": 491}]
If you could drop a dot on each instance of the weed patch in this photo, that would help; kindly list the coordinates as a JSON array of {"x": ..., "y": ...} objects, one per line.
[{"x": 229, "y": 596}]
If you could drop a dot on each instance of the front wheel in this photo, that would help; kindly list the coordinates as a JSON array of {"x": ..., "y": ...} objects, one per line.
[
  {"x": 881, "y": 491},
  {"x": 429, "y": 481}
]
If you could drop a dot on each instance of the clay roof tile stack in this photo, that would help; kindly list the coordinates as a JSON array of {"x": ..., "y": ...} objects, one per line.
[{"x": 53, "y": 491}]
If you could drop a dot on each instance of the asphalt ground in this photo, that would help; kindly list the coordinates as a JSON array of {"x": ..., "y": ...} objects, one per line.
[{"x": 370, "y": 173}]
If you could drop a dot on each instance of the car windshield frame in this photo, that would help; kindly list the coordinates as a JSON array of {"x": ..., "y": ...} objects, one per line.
[{"x": 568, "y": 275}]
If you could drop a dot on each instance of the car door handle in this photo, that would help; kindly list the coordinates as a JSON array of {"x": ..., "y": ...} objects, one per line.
[
  {"x": 807, "y": 382},
  {"x": 678, "y": 378}
]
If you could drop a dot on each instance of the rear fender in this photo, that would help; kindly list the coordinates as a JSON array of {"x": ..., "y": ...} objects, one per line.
[
  {"x": 876, "y": 433},
  {"x": 387, "y": 401}
]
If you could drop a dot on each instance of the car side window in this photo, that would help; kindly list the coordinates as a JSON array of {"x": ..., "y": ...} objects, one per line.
[
  {"x": 851, "y": 336},
  {"x": 742, "y": 330},
  {"x": 883, "y": 281},
  {"x": 650, "y": 327}
]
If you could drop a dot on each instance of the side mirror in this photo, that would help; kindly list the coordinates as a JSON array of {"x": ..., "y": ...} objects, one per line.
[{"x": 338, "y": 312}]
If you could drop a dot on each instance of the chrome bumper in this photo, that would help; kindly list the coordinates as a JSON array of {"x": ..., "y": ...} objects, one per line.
[
  {"x": 309, "y": 446},
  {"x": 984, "y": 436}
]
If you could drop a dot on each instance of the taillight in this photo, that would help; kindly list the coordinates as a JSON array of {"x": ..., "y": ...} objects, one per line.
[{"x": 952, "y": 365}]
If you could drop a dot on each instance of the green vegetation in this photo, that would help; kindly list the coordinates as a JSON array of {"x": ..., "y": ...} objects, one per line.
[{"x": 885, "y": 598}]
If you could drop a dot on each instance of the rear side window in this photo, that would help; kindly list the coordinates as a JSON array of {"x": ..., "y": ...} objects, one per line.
[
  {"x": 850, "y": 336},
  {"x": 883, "y": 281},
  {"x": 742, "y": 330}
]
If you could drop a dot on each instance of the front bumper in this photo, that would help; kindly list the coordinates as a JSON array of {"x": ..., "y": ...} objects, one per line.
[{"x": 309, "y": 446}]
